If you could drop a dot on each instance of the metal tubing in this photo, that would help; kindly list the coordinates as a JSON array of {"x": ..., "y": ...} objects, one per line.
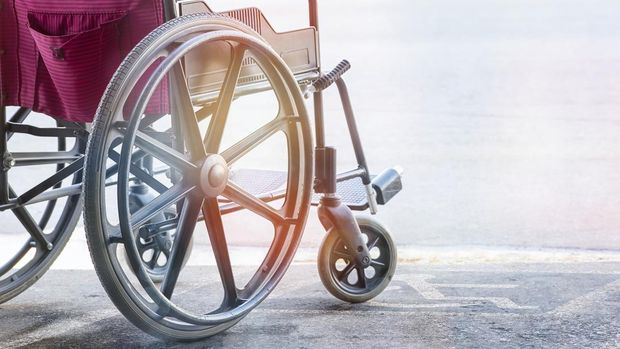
[
  {"x": 355, "y": 136},
  {"x": 20, "y": 115},
  {"x": 51, "y": 181},
  {"x": 325, "y": 175},
  {"x": 358, "y": 172},
  {"x": 44, "y": 158},
  {"x": 13, "y": 127},
  {"x": 313, "y": 10},
  {"x": 4, "y": 177},
  {"x": 319, "y": 124},
  {"x": 53, "y": 194},
  {"x": 169, "y": 12}
]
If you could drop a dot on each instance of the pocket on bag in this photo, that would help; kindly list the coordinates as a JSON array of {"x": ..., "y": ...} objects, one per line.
[{"x": 80, "y": 51}]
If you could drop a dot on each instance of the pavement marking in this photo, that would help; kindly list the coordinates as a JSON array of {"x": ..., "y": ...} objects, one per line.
[
  {"x": 377, "y": 311},
  {"x": 500, "y": 302},
  {"x": 430, "y": 292},
  {"x": 580, "y": 303},
  {"x": 594, "y": 268},
  {"x": 477, "y": 285},
  {"x": 420, "y": 306},
  {"x": 425, "y": 289}
]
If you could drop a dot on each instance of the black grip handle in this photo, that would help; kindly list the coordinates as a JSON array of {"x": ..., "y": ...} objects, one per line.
[{"x": 326, "y": 80}]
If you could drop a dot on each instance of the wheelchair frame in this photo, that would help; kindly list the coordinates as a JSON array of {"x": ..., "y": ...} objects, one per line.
[{"x": 334, "y": 214}]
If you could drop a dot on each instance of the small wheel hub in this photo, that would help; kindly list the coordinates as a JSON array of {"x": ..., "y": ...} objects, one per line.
[{"x": 214, "y": 175}]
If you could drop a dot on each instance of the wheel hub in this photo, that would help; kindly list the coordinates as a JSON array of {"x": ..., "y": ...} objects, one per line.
[{"x": 214, "y": 175}]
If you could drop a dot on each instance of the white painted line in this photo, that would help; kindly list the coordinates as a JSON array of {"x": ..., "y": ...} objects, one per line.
[
  {"x": 430, "y": 292},
  {"x": 500, "y": 302},
  {"x": 420, "y": 305},
  {"x": 491, "y": 286},
  {"x": 585, "y": 302},
  {"x": 373, "y": 311}
]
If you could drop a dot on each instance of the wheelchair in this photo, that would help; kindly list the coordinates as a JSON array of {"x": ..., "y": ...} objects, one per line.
[{"x": 141, "y": 93}]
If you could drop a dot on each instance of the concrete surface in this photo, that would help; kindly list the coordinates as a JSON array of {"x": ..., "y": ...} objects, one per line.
[{"x": 522, "y": 305}]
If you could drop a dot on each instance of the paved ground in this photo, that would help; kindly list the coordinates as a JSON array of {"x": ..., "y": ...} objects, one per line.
[{"x": 426, "y": 306}]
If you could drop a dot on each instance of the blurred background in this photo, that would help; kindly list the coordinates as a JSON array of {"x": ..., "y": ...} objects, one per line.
[{"x": 503, "y": 113}]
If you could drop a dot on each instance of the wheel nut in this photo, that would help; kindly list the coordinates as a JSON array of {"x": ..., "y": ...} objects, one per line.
[
  {"x": 366, "y": 261},
  {"x": 8, "y": 162}
]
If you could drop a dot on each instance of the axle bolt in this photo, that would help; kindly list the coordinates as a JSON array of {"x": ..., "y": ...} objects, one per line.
[{"x": 8, "y": 162}]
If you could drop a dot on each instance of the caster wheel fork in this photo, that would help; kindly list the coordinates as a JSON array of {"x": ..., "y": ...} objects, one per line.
[{"x": 347, "y": 279}]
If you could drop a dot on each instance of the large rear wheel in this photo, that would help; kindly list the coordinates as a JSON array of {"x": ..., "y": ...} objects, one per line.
[{"x": 198, "y": 181}]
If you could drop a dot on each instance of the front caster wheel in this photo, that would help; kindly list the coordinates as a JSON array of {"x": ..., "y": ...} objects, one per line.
[
  {"x": 155, "y": 239},
  {"x": 349, "y": 282}
]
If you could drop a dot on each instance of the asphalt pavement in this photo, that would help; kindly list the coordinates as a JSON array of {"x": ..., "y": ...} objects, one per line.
[{"x": 524, "y": 305}]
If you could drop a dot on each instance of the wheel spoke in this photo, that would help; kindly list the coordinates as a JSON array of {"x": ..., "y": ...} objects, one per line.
[
  {"x": 32, "y": 227},
  {"x": 215, "y": 227},
  {"x": 342, "y": 254},
  {"x": 373, "y": 243},
  {"x": 135, "y": 170},
  {"x": 149, "y": 120},
  {"x": 148, "y": 246},
  {"x": 182, "y": 239},
  {"x": 376, "y": 263},
  {"x": 30, "y": 224},
  {"x": 183, "y": 109},
  {"x": 164, "y": 153},
  {"x": 236, "y": 194},
  {"x": 250, "y": 142},
  {"x": 214, "y": 134},
  {"x": 160, "y": 203},
  {"x": 52, "y": 180},
  {"x": 153, "y": 262},
  {"x": 361, "y": 277},
  {"x": 346, "y": 271}
]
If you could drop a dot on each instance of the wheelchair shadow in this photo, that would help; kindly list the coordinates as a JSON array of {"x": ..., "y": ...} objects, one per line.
[
  {"x": 51, "y": 327},
  {"x": 69, "y": 309}
]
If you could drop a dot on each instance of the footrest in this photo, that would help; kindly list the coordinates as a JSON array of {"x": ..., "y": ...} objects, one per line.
[
  {"x": 352, "y": 193},
  {"x": 265, "y": 183},
  {"x": 259, "y": 182}
]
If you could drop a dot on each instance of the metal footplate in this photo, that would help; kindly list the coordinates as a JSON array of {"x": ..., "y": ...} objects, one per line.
[{"x": 271, "y": 185}]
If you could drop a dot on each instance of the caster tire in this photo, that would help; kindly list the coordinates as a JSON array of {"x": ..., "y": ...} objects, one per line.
[{"x": 350, "y": 283}]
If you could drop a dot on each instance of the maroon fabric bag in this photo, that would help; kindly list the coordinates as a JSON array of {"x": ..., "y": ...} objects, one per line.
[{"x": 57, "y": 56}]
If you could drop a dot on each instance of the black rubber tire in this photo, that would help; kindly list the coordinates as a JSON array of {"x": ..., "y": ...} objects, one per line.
[{"x": 325, "y": 267}]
